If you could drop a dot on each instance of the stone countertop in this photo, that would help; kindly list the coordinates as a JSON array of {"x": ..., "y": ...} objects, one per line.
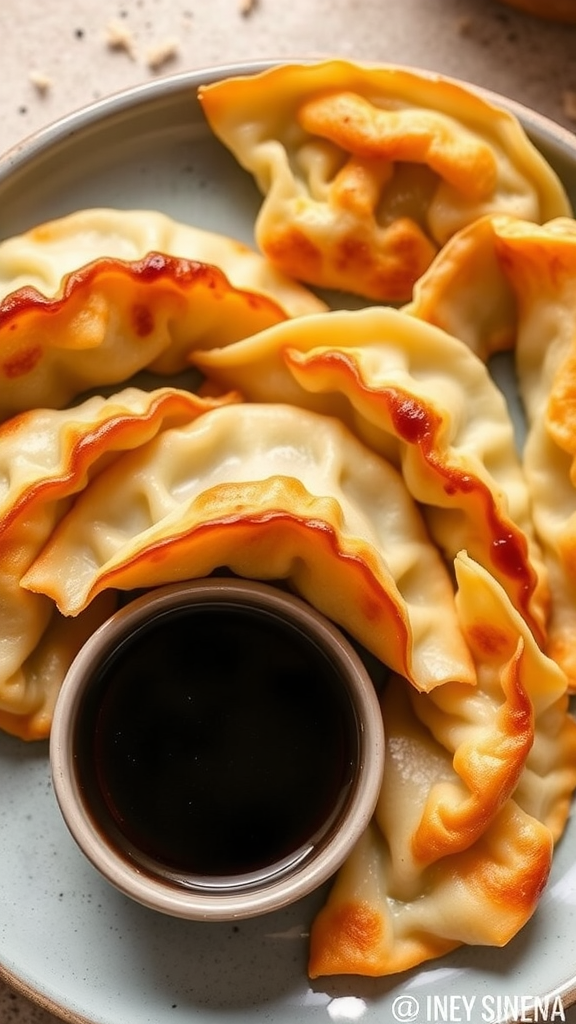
[
  {"x": 56, "y": 57},
  {"x": 63, "y": 56}
]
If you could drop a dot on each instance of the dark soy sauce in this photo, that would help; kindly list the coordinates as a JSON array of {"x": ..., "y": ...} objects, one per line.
[{"x": 223, "y": 740}]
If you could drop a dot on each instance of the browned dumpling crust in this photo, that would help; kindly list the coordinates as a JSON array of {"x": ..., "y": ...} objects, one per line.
[
  {"x": 366, "y": 171},
  {"x": 366, "y": 458},
  {"x": 90, "y": 299},
  {"x": 274, "y": 493},
  {"x": 506, "y": 283},
  {"x": 47, "y": 457},
  {"x": 114, "y": 319},
  {"x": 471, "y": 804},
  {"x": 418, "y": 396},
  {"x": 44, "y": 256}
]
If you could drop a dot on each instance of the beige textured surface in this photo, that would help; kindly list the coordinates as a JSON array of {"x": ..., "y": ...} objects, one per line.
[
  {"x": 57, "y": 56},
  {"x": 66, "y": 44}
]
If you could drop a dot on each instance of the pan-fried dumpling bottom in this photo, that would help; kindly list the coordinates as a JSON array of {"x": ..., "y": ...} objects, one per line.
[
  {"x": 421, "y": 399},
  {"x": 367, "y": 171},
  {"x": 391, "y": 908},
  {"x": 532, "y": 290},
  {"x": 42, "y": 257},
  {"x": 482, "y": 896},
  {"x": 113, "y": 319},
  {"x": 270, "y": 492},
  {"x": 46, "y": 457}
]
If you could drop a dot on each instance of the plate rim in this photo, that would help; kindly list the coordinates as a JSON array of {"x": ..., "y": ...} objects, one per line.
[{"x": 123, "y": 100}]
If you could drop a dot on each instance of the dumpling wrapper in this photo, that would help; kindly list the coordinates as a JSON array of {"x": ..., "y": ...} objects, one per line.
[
  {"x": 113, "y": 319},
  {"x": 47, "y": 457},
  {"x": 366, "y": 171},
  {"x": 393, "y": 907},
  {"x": 270, "y": 492},
  {"x": 490, "y": 733},
  {"x": 421, "y": 399},
  {"x": 465, "y": 291},
  {"x": 43, "y": 256},
  {"x": 28, "y": 696},
  {"x": 505, "y": 283}
]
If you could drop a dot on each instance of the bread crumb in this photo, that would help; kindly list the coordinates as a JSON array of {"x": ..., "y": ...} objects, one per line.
[
  {"x": 119, "y": 37},
  {"x": 162, "y": 54},
  {"x": 569, "y": 103},
  {"x": 40, "y": 82},
  {"x": 247, "y": 6}
]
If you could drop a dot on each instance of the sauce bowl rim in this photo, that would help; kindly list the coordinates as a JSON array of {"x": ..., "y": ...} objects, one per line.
[{"x": 222, "y": 903}]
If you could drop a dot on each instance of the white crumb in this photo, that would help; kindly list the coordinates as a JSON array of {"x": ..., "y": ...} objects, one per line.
[
  {"x": 119, "y": 37},
  {"x": 40, "y": 81}
]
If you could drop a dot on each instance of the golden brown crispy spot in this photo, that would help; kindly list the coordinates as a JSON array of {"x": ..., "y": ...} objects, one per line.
[
  {"x": 411, "y": 136},
  {"x": 22, "y": 362},
  {"x": 358, "y": 185},
  {"x": 490, "y": 771},
  {"x": 346, "y": 940},
  {"x": 140, "y": 314},
  {"x": 142, "y": 319},
  {"x": 503, "y": 884},
  {"x": 290, "y": 247},
  {"x": 417, "y": 424},
  {"x": 378, "y": 262},
  {"x": 561, "y": 409},
  {"x": 488, "y": 639}
]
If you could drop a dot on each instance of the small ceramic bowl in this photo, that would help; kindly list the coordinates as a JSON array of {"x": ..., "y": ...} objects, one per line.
[{"x": 217, "y": 749}]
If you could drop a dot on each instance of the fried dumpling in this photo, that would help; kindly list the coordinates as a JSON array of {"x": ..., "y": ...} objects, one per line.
[
  {"x": 367, "y": 170},
  {"x": 46, "y": 457},
  {"x": 466, "y": 293},
  {"x": 398, "y": 902},
  {"x": 43, "y": 256},
  {"x": 271, "y": 492},
  {"x": 28, "y": 696},
  {"x": 490, "y": 733},
  {"x": 114, "y": 319},
  {"x": 508, "y": 283},
  {"x": 419, "y": 397}
]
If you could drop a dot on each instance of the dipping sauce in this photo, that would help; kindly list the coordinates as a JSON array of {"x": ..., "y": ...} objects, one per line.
[{"x": 220, "y": 741}]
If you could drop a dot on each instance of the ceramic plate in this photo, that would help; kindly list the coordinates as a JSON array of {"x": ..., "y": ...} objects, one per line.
[{"x": 67, "y": 939}]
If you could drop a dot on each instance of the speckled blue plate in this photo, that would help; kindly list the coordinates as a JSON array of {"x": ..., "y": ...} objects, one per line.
[{"x": 67, "y": 939}]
